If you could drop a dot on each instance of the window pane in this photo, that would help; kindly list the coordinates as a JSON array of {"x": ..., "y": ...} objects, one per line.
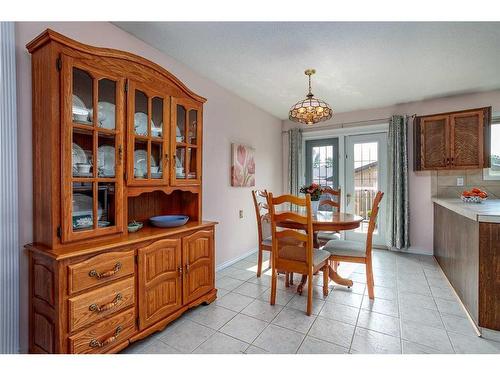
[
  {"x": 141, "y": 113},
  {"x": 156, "y": 160},
  {"x": 106, "y": 156},
  {"x": 82, "y": 97},
  {"x": 365, "y": 180},
  {"x": 140, "y": 159},
  {"x": 157, "y": 117},
  {"x": 106, "y": 106},
  {"x": 495, "y": 149},
  {"x": 82, "y": 152},
  {"x": 323, "y": 165},
  {"x": 106, "y": 206},
  {"x": 180, "y": 134},
  {"x": 83, "y": 216}
]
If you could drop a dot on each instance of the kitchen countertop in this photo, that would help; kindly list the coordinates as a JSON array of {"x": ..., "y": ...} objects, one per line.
[{"x": 488, "y": 211}]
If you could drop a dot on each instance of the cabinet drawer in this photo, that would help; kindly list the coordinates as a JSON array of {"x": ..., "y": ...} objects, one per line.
[
  {"x": 103, "y": 336},
  {"x": 100, "y": 303},
  {"x": 99, "y": 269}
]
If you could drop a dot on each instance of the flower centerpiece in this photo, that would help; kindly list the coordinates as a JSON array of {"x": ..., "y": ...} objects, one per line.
[{"x": 315, "y": 190}]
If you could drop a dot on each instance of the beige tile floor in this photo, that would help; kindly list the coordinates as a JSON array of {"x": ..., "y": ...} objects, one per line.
[{"x": 414, "y": 311}]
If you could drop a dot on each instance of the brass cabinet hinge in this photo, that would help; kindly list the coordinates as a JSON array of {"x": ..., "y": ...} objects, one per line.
[
  {"x": 126, "y": 86},
  {"x": 58, "y": 64},
  {"x": 59, "y": 231}
]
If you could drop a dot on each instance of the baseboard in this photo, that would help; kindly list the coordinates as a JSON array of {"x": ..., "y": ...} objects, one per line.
[
  {"x": 235, "y": 260},
  {"x": 415, "y": 250}
]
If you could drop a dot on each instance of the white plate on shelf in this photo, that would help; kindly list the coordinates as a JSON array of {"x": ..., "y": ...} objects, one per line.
[
  {"x": 156, "y": 130},
  {"x": 106, "y": 115},
  {"x": 77, "y": 102},
  {"x": 78, "y": 155},
  {"x": 80, "y": 111},
  {"x": 141, "y": 163},
  {"x": 141, "y": 123},
  {"x": 82, "y": 205},
  {"x": 106, "y": 161}
]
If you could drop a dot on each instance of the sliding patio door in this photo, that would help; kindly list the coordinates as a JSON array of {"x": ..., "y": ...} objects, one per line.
[{"x": 365, "y": 174}]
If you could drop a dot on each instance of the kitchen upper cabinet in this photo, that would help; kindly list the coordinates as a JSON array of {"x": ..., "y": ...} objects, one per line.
[
  {"x": 466, "y": 139},
  {"x": 433, "y": 132},
  {"x": 454, "y": 140}
]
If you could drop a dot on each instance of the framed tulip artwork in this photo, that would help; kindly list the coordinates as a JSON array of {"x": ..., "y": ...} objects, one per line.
[{"x": 242, "y": 165}]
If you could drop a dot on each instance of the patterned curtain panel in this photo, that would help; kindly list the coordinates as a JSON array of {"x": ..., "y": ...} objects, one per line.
[
  {"x": 398, "y": 235},
  {"x": 294, "y": 160}
]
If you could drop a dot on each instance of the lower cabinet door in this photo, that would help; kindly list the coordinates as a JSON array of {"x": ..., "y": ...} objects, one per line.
[
  {"x": 198, "y": 253},
  {"x": 160, "y": 289}
]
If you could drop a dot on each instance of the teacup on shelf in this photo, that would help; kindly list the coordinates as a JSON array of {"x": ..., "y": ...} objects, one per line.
[
  {"x": 154, "y": 169},
  {"x": 139, "y": 173},
  {"x": 83, "y": 168}
]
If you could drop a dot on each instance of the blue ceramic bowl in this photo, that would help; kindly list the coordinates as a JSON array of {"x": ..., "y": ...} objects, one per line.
[{"x": 169, "y": 221}]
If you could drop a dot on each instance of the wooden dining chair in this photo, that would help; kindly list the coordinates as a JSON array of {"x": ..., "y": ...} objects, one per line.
[
  {"x": 263, "y": 225},
  {"x": 300, "y": 257},
  {"x": 332, "y": 201},
  {"x": 357, "y": 252}
]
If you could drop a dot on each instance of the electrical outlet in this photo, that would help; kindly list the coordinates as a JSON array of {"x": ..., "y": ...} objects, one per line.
[
  {"x": 460, "y": 181},
  {"x": 241, "y": 214}
]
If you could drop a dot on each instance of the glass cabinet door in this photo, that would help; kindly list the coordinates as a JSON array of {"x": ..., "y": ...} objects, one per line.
[
  {"x": 148, "y": 136},
  {"x": 92, "y": 118},
  {"x": 187, "y": 146}
]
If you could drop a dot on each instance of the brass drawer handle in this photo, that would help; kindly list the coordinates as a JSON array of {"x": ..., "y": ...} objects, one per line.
[
  {"x": 95, "y": 307},
  {"x": 95, "y": 343},
  {"x": 102, "y": 275},
  {"x": 187, "y": 268}
]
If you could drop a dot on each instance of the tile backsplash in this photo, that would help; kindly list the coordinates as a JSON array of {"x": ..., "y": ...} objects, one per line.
[{"x": 444, "y": 183}]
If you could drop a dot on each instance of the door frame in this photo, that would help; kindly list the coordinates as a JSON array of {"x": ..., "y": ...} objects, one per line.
[{"x": 342, "y": 133}]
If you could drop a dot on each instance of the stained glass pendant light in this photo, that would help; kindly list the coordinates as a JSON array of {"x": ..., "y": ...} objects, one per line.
[{"x": 310, "y": 110}]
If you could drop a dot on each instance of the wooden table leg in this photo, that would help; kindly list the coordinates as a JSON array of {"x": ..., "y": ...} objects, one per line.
[
  {"x": 335, "y": 277},
  {"x": 300, "y": 287}
]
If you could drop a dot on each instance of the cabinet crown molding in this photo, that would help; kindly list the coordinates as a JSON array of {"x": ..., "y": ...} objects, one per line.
[{"x": 51, "y": 35}]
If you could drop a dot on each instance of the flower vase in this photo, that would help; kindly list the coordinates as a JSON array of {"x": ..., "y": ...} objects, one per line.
[{"x": 314, "y": 207}]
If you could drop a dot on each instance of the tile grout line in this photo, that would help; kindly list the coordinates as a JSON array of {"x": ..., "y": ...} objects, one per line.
[{"x": 440, "y": 316}]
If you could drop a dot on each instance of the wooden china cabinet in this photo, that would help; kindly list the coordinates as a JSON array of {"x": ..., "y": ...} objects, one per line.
[{"x": 116, "y": 138}]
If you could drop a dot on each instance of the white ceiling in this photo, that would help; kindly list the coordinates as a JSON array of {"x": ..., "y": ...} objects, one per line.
[{"x": 358, "y": 65}]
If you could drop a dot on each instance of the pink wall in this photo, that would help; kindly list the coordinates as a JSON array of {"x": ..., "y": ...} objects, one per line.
[
  {"x": 421, "y": 210},
  {"x": 227, "y": 118}
]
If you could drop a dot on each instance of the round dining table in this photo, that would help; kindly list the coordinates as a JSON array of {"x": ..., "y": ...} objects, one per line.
[{"x": 326, "y": 221}]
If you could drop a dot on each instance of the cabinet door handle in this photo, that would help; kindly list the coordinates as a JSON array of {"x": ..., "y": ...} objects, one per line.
[
  {"x": 102, "y": 275},
  {"x": 120, "y": 153},
  {"x": 179, "y": 270},
  {"x": 452, "y": 161},
  {"x": 108, "y": 306},
  {"x": 95, "y": 343},
  {"x": 187, "y": 268},
  {"x": 166, "y": 157}
]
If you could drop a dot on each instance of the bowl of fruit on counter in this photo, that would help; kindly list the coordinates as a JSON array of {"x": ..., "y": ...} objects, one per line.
[{"x": 474, "y": 195}]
